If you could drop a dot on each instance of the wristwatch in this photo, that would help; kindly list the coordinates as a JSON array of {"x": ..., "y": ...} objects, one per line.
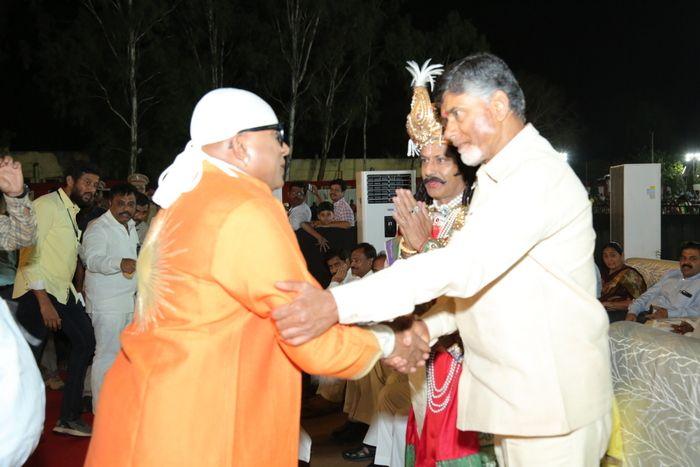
[{"x": 24, "y": 193}]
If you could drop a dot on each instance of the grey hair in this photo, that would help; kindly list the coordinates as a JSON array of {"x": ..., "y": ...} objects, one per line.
[{"x": 481, "y": 75}]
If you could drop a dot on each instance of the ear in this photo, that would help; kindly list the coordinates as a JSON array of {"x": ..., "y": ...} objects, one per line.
[
  {"x": 237, "y": 147},
  {"x": 499, "y": 105}
]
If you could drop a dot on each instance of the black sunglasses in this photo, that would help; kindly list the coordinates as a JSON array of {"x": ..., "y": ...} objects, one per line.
[{"x": 276, "y": 126}]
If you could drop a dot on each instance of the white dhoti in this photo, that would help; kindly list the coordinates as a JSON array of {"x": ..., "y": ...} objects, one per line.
[
  {"x": 388, "y": 428},
  {"x": 304, "y": 445},
  {"x": 108, "y": 327}
]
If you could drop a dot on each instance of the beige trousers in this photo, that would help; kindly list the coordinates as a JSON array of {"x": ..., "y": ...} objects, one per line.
[
  {"x": 580, "y": 448},
  {"x": 331, "y": 389},
  {"x": 361, "y": 395}
]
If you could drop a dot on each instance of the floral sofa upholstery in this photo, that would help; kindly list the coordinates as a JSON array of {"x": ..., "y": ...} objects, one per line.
[
  {"x": 656, "y": 380},
  {"x": 652, "y": 269}
]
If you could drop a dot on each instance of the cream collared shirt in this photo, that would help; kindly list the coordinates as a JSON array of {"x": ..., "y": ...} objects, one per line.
[
  {"x": 522, "y": 274},
  {"x": 50, "y": 264}
]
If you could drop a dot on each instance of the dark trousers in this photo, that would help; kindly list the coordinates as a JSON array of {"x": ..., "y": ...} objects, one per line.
[
  {"x": 6, "y": 292},
  {"x": 76, "y": 324}
]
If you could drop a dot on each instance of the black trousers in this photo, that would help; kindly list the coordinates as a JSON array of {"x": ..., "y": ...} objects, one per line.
[
  {"x": 76, "y": 324},
  {"x": 6, "y": 292}
]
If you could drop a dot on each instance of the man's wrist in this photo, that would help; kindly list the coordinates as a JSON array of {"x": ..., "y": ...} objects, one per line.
[
  {"x": 19, "y": 194},
  {"x": 42, "y": 297},
  {"x": 337, "y": 312},
  {"x": 385, "y": 338}
]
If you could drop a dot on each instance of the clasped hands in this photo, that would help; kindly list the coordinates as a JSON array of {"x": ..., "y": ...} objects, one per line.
[
  {"x": 411, "y": 347},
  {"x": 412, "y": 218}
]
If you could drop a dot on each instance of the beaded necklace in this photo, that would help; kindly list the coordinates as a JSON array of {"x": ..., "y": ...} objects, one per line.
[
  {"x": 447, "y": 219},
  {"x": 435, "y": 393}
]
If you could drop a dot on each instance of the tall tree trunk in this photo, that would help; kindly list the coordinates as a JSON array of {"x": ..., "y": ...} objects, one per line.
[
  {"x": 290, "y": 135},
  {"x": 325, "y": 149},
  {"x": 216, "y": 48},
  {"x": 312, "y": 167},
  {"x": 321, "y": 170},
  {"x": 133, "y": 94},
  {"x": 296, "y": 43},
  {"x": 339, "y": 170},
  {"x": 364, "y": 133},
  {"x": 365, "y": 109}
]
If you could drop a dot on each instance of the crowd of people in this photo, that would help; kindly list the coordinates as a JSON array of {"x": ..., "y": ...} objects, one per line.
[
  {"x": 192, "y": 327},
  {"x": 71, "y": 277},
  {"x": 625, "y": 294}
]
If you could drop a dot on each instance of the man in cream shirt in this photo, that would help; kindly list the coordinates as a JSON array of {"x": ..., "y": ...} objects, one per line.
[
  {"x": 109, "y": 253},
  {"x": 536, "y": 368}
]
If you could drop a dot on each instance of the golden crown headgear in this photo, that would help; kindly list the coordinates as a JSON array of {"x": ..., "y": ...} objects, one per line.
[{"x": 422, "y": 123}]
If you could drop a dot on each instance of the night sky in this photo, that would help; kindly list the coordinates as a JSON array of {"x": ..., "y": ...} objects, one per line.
[{"x": 626, "y": 69}]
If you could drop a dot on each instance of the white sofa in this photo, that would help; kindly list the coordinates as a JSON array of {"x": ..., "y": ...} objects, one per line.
[{"x": 656, "y": 380}]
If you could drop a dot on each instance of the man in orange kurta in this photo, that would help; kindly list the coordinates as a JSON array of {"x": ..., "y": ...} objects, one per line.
[{"x": 203, "y": 378}]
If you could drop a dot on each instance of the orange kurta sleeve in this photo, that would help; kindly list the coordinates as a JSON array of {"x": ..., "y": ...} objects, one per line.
[{"x": 255, "y": 248}]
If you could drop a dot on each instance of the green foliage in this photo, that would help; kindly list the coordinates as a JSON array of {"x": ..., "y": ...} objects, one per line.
[{"x": 672, "y": 175}]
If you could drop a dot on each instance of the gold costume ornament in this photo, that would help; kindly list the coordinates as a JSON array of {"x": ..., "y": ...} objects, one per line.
[{"x": 422, "y": 123}]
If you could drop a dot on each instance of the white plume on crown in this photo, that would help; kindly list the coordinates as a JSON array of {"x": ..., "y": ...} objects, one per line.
[{"x": 425, "y": 74}]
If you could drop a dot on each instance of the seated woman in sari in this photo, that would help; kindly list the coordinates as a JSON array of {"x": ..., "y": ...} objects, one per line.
[{"x": 621, "y": 283}]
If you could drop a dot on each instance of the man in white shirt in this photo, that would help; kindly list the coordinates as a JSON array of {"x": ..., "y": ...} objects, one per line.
[
  {"x": 109, "y": 253},
  {"x": 338, "y": 264},
  {"x": 361, "y": 394},
  {"x": 299, "y": 211},
  {"x": 521, "y": 271},
  {"x": 332, "y": 390},
  {"x": 143, "y": 205},
  {"x": 361, "y": 260},
  {"x": 677, "y": 293}
]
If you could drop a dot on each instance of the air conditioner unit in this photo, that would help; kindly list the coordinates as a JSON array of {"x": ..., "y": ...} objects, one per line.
[
  {"x": 375, "y": 224},
  {"x": 635, "y": 209}
]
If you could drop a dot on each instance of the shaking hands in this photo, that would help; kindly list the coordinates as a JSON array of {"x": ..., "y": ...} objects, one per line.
[{"x": 411, "y": 348}]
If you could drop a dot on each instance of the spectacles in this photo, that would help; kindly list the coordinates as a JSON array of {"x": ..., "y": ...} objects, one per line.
[{"x": 276, "y": 126}]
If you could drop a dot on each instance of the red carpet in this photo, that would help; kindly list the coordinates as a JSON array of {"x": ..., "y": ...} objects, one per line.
[{"x": 58, "y": 450}]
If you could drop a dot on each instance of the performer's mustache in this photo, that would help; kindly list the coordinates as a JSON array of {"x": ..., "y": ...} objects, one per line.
[
  {"x": 433, "y": 179},
  {"x": 125, "y": 212},
  {"x": 688, "y": 266}
]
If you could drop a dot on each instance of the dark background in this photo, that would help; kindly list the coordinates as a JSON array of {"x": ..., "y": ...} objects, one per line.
[{"x": 603, "y": 76}]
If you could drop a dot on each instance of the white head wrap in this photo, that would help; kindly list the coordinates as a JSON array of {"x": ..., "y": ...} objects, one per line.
[{"x": 219, "y": 115}]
